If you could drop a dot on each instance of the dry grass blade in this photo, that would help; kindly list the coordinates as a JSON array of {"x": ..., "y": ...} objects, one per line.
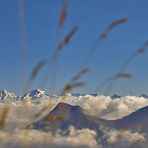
[
  {"x": 78, "y": 84},
  {"x": 127, "y": 62},
  {"x": 63, "y": 14},
  {"x": 37, "y": 68},
  {"x": 111, "y": 26},
  {"x": 55, "y": 118},
  {"x": 122, "y": 75},
  {"x": 119, "y": 75},
  {"x": 146, "y": 44},
  {"x": 21, "y": 5},
  {"x": 132, "y": 56},
  {"x": 22, "y": 22},
  {"x": 70, "y": 86},
  {"x": 39, "y": 114},
  {"x": 66, "y": 39},
  {"x": 113, "y": 78},
  {"x": 58, "y": 50},
  {"x": 3, "y": 117},
  {"x": 80, "y": 73},
  {"x": 34, "y": 73},
  {"x": 70, "y": 34},
  {"x": 117, "y": 22},
  {"x": 143, "y": 48},
  {"x": 140, "y": 50},
  {"x": 54, "y": 63},
  {"x": 103, "y": 36},
  {"x": 74, "y": 83}
]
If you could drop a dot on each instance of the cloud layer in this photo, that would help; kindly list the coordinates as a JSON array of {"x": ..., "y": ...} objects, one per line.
[
  {"x": 108, "y": 108},
  {"x": 21, "y": 113},
  {"x": 76, "y": 138}
]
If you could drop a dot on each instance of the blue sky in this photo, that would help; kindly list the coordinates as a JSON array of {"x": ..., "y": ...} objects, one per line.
[{"x": 92, "y": 17}]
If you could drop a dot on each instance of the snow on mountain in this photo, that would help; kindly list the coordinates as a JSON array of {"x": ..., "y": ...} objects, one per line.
[
  {"x": 6, "y": 96},
  {"x": 36, "y": 95}
]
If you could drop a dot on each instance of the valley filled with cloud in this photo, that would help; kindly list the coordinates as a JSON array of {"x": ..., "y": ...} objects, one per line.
[{"x": 76, "y": 121}]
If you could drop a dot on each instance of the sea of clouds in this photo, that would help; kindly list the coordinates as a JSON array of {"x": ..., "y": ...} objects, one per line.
[
  {"x": 106, "y": 107},
  {"x": 21, "y": 113},
  {"x": 76, "y": 138}
]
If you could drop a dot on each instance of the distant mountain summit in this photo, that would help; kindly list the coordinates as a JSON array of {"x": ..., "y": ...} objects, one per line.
[
  {"x": 144, "y": 96},
  {"x": 134, "y": 121},
  {"x": 7, "y": 96},
  {"x": 37, "y": 93},
  {"x": 115, "y": 96},
  {"x": 65, "y": 115},
  {"x": 34, "y": 95}
]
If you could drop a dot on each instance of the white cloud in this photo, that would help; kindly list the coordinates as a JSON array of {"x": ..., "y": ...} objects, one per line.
[
  {"x": 122, "y": 138},
  {"x": 100, "y": 106},
  {"x": 34, "y": 138},
  {"x": 107, "y": 108}
]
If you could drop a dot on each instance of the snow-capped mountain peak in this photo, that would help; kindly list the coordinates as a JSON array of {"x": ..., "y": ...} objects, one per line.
[
  {"x": 37, "y": 93},
  {"x": 5, "y": 95}
]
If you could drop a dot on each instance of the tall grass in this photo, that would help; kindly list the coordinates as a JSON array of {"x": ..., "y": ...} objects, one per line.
[
  {"x": 3, "y": 117},
  {"x": 21, "y": 6},
  {"x": 75, "y": 81},
  {"x": 102, "y": 37},
  {"x": 121, "y": 72}
]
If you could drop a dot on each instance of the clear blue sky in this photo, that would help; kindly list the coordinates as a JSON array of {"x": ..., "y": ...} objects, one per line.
[{"x": 92, "y": 17}]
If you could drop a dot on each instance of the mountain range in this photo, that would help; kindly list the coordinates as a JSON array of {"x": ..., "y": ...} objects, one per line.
[
  {"x": 36, "y": 94},
  {"x": 135, "y": 121},
  {"x": 33, "y": 95},
  {"x": 65, "y": 115},
  {"x": 7, "y": 96}
]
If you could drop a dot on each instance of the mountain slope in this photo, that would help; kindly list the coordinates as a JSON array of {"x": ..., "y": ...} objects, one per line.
[
  {"x": 7, "y": 96},
  {"x": 65, "y": 115},
  {"x": 135, "y": 121},
  {"x": 37, "y": 93}
]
